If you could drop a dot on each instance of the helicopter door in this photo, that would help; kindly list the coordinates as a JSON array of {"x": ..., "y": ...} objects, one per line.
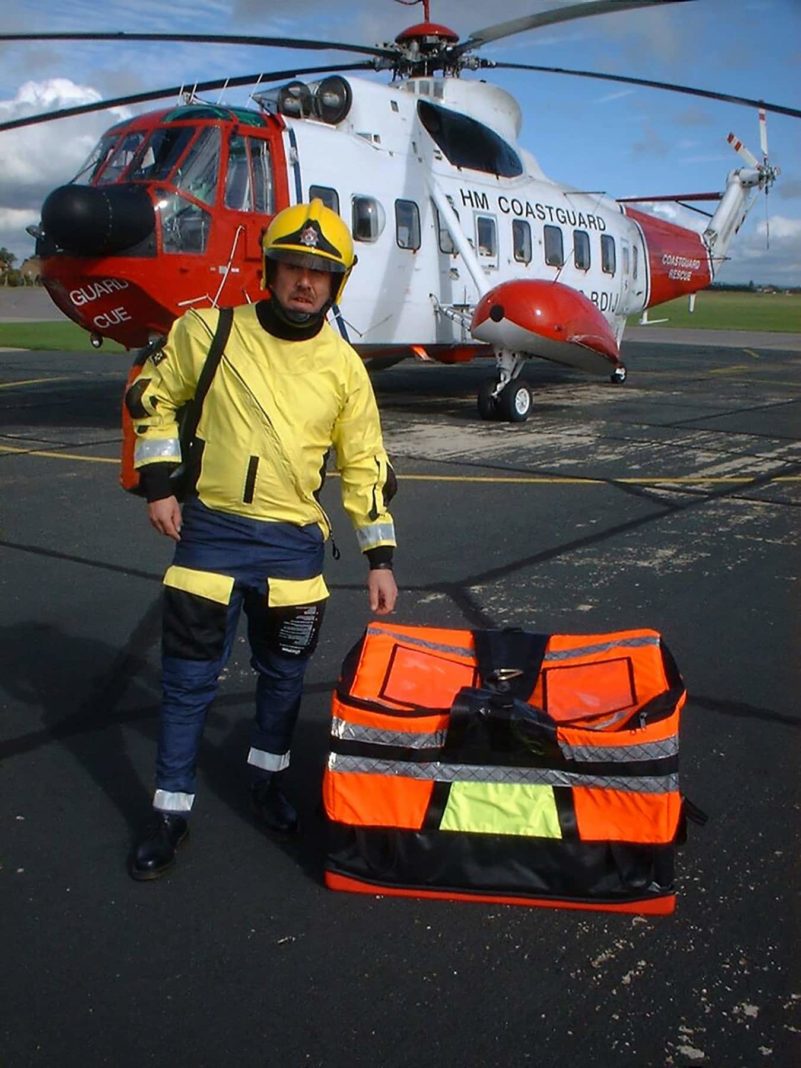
[{"x": 249, "y": 184}]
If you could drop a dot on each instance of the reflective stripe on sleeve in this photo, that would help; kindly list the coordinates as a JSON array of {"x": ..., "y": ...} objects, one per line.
[
  {"x": 148, "y": 451},
  {"x": 375, "y": 534},
  {"x": 168, "y": 801},
  {"x": 354, "y": 732},
  {"x": 259, "y": 758},
  {"x": 437, "y": 772}
]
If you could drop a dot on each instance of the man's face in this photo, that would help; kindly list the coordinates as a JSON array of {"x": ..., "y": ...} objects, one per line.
[{"x": 301, "y": 289}]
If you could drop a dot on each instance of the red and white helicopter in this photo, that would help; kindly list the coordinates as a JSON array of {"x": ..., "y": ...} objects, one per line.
[{"x": 465, "y": 247}]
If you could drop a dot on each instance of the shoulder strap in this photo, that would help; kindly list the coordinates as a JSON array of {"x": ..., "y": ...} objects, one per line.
[{"x": 216, "y": 349}]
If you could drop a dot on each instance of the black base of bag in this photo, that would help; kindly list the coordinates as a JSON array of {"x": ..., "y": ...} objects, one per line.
[{"x": 497, "y": 866}]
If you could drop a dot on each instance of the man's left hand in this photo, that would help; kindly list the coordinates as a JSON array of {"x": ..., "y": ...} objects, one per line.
[{"x": 383, "y": 591}]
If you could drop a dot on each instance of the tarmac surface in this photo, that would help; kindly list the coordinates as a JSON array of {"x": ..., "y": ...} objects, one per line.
[{"x": 670, "y": 502}]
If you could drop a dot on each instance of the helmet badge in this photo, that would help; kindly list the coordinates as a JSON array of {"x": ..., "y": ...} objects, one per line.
[{"x": 309, "y": 236}]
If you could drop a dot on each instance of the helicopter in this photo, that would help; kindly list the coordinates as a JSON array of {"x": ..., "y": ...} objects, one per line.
[{"x": 466, "y": 248}]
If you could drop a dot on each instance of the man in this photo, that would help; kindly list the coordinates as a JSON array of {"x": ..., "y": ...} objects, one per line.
[{"x": 287, "y": 390}]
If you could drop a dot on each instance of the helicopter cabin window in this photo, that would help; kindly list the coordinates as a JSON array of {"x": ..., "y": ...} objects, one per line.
[
  {"x": 249, "y": 178},
  {"x": 197, "y": 175},
  {"x": 554, "y": 246},
  {"x": 486, "y": 236},
  {"x": 521, "y": 240},
  {"x": 122, "y": 157},
  {"x": 444, "y": 239},
  {"x": 329, "y": 197},
  {"x": 162, "y": 150},
  {"x": 467, "y": 143},
  {"x": 407, "y": 224},
  {"x": 368, "y": 219},
  {"x": 581, "y": 250},
  {"x": 608, "y": 261}
]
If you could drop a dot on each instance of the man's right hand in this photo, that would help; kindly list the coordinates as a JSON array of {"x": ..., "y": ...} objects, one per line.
[{"x": 165, "y": 517}]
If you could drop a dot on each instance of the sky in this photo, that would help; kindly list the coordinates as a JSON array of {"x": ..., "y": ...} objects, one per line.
[{"x": 588, "y": 134}]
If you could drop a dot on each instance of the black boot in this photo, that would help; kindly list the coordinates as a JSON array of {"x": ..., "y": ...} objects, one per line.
[
  {"x": 155, "y": 853},
  {"x": 272, "y": 808}
]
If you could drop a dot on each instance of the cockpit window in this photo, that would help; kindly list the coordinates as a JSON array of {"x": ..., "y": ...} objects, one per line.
[
  {"x": 124, "y": 153},
  {"x": 97, "y": 157},
  {"x": 158, "y": 156},
  {"x": 198, "y": 171},
  {"x": 467, "y": 143}
]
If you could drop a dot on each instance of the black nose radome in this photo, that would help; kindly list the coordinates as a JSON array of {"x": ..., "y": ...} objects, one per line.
[
  {"x": 97, "y": 221},
  {"x": 496, "y": 313}
]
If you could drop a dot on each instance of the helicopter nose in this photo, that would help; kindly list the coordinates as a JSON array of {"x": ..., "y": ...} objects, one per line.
[{"x": 97, "y": 220}]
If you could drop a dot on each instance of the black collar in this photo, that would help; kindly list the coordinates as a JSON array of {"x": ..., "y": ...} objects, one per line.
[{"x": 274, "y": 320}]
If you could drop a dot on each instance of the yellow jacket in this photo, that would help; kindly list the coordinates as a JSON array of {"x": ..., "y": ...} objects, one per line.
[{"x": 273, "y": 411}]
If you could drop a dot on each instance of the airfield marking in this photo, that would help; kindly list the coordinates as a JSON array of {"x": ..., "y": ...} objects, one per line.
[
  {"x": 33, "y": 381},
  {"x": 516, "y": 480},
  {"x": 60, "y": 455},
  {"x": 750, "y": 352}
]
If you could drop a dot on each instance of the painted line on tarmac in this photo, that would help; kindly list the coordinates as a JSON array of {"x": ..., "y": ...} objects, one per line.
[
  {"x": 60, "y": 455},
  {"x": 514, "y": 480},
  {"x": 33, "y": 381}
]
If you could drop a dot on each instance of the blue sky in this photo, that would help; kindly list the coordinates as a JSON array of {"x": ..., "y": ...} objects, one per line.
[{"x": 588, "y": 134}]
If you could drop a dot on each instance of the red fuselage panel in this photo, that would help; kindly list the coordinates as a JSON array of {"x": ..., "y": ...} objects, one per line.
[{"x": 678, "y": 259}]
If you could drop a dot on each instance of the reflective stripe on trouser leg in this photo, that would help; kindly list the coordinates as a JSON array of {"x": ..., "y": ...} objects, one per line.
[
  {"x": 189, "y": 687},
  {"x": 282, "y": 641}
]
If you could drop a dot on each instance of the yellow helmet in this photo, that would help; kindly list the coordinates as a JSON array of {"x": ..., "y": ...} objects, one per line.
[{"x": 310, "y": 235}]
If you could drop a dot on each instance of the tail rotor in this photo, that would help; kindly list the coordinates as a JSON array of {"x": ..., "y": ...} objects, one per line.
[{"x": 766, "y": 172}]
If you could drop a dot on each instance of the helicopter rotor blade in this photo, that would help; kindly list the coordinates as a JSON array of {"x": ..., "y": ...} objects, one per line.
[
  {"x": 780, "y": 109},
  {"x": 176, "y": 90},
  {"x": 742, "y": 151},
  {"x": 555, "y": 15},
  {"x": 763, "y": 133},
  {"x": 208, "y": 38}
]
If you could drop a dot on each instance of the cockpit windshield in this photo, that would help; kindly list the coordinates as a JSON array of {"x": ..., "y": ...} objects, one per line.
[
  {"x": 159, "y": 154},
  {"x": 96, "y": 158}
]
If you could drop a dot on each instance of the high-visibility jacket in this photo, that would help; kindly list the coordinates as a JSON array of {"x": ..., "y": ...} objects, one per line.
[
  {"x": 506, "y": 766},
  {"x": 273, "y": 412}
]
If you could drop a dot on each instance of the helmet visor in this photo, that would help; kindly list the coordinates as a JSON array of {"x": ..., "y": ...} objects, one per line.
[{"x": 305, "y": 259}]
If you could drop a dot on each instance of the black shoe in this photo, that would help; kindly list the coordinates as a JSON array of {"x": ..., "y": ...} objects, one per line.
[
  {"x": 155, "y": 854},
  {"x": 272, "y": 808}
]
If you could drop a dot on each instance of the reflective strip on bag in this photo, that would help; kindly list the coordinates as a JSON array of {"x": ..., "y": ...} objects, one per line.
[
  {"x": 639, "y": 642},
  {"x": 556, "y": 656},
  {"x": 206, "y": 584},
  {"x": 438, "y": 772},
  {"x": 288, "y": 593},
  {"x": 353, "y": 732},
  {"x": 625, "y": 753},
  {"x": 502, "y": 808},
  {"x": 421, "y": 643}
]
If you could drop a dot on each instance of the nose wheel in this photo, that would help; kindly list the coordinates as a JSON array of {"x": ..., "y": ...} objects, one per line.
[
  {"x": 510, "y": 404},
  {"x": 618, "y": 376}
]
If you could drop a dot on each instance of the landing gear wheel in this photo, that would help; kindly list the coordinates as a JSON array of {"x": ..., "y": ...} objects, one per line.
[
  {"x": 514, "y": 403},
  {"x": 487, "y": 404},
  {"x": 618, "y": 376}
]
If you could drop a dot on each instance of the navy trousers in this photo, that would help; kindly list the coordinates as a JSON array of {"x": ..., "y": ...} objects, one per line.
[{"x": 240, "y": 557}]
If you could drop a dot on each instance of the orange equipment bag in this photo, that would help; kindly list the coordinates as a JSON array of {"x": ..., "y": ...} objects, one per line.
[{"x": 506, "y": 766}]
